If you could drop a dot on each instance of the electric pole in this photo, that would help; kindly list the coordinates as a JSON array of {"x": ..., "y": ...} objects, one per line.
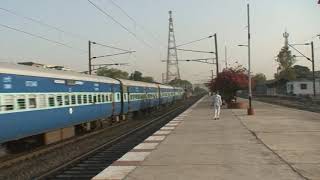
[
  {"x": 216, "y": 52},
  {"x": 172, "y": 56},
  {"x": 313, "y": 73},
  {"x": 90, "y": 59},
  {"x": 212, "y": 75},
  {"x": 225, "y": 56},
  {"x": 163, "y": 78},
  {"x": 250, "y": 110}
]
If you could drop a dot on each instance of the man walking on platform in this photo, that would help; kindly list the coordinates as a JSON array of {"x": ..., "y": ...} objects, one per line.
[{"x": 216, "y": 102}]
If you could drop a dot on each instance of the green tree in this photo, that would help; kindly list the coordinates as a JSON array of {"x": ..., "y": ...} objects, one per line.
[
  {"x": 286, "y": 60},
  {"x": 136, "y": 76},
  {"x": 259, "y": 78},
  {"x": 148, "y": 79},
  {"x": 181, "y": 83},
  {"x": 199, "y": 90},
  {"x": 112, "y": 73}
]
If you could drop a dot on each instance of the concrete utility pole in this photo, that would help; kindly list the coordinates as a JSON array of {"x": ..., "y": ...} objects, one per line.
[
  {"x": 216, "y": 52},
  {"x": 250, "y": 109}
]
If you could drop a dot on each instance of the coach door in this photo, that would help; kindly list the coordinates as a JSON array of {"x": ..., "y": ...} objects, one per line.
[
  {"x": 124, "y": 99},
  {"x": 113, "y": 99}
]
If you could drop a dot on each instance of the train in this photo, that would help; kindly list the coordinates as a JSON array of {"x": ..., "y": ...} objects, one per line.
[{"x": 39, "y": 103}]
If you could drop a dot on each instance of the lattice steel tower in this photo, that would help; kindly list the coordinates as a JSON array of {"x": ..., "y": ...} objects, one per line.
[{"x": 172, "y": 56}]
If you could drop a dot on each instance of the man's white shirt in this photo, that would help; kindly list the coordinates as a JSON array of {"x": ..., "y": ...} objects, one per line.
[{"x": 216, "y": 99}]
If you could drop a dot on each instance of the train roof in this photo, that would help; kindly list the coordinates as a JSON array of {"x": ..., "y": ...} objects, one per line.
[
  {"x": 10, "y": 68},
  {"x": 137, "y": 83},
  {"x": 166, "y": 86},
  {"x": 175, "y": 87}
]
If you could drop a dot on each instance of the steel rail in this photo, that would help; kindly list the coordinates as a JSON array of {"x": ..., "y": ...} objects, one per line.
[{"x": 54, "y": 172}]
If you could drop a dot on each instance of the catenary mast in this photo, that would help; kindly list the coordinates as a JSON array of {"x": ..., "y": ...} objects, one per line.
[{"x": 172, "y": 56}]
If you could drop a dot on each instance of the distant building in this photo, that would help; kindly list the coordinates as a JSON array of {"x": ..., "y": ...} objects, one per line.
[
  {"x": 56, "y": 67},
  {"x": 271, "y": 88},
  {"x": 32, "y": 64},
  {"x": 276, "y": 87},
  {"x": 302, "y": 87}
]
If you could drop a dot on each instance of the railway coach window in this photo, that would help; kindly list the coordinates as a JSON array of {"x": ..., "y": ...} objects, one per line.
[
  {"x": 32, "y": 102},
  {"x": 66, "y": 100},
  {"x": 118, "y": 97},
  {"x": 103, "y": 98},
  {"x": 90, "y": 98},
  {"x": 85, "y": 100},
  {"x": 107, "y": 98},
  {"x": 8, "y": 102},
  {"x": 132, "y": 97},
  {"x": 99, "y": 97},
  {"x": 73, "y": 99},
  {"x": 51, "y": 101},
  {"x": 79, "y": 98},
  {"x": 21, "y": 103},
  {"x": 8, "y": 107},
  {"x": 42, "y": 103},
  {"x": 59, "y": 101},
  {"x": 94, "y": 98}
]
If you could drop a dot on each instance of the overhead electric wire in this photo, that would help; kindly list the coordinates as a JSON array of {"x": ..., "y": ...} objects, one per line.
[
  {"x": 111, "y": 17},
  {"x": 54, "y": 27},
  {"x": 117, "y": 22},
  {"x": 43, "y": 23},
  {"x": 191, "y": 50},
  {"x": 112, "y": 47},
  {"x": 123, "y": 11},
  {"x": 195, "y": 41},
  {"x": 134, "y": 21},
  {"x": 43, "y": 38}
]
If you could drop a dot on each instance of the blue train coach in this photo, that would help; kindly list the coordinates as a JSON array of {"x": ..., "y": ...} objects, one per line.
[
  {"x": 167, "y": 94},
  {"x": 178, "y": 93},
  {"x": 139, "y": 96},
  {"x": 34, "y": 100}
]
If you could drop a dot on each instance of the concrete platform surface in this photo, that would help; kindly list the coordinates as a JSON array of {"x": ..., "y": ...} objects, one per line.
[
  {"x": 294, "y": 135},
  {"x": 276, "y": 144}
]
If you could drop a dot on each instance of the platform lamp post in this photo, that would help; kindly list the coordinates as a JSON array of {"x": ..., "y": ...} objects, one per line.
[
  {"x": 309, "y": 59},
  {"x": 250, "y": 108}
]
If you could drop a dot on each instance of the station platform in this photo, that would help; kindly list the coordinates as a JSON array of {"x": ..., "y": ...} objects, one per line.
[{"x": 276, "y": 143}]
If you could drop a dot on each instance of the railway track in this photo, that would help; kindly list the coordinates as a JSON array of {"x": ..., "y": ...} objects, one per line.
[
  {"x": 291, "y": 103},
  {"x": 91, "y": 163},
  {"x": 17, "y": 158},
  {"x": 41, "y": 160}
]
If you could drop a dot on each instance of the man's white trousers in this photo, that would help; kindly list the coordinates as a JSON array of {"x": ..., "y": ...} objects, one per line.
[{"x": 216, "y": 111}]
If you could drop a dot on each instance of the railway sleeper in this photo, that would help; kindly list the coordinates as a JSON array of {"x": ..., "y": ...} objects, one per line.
[{"x": 24, "y": 144}]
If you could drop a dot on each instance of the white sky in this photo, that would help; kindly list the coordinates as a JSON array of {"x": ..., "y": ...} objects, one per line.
[{"x": 193, "y": 19}]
